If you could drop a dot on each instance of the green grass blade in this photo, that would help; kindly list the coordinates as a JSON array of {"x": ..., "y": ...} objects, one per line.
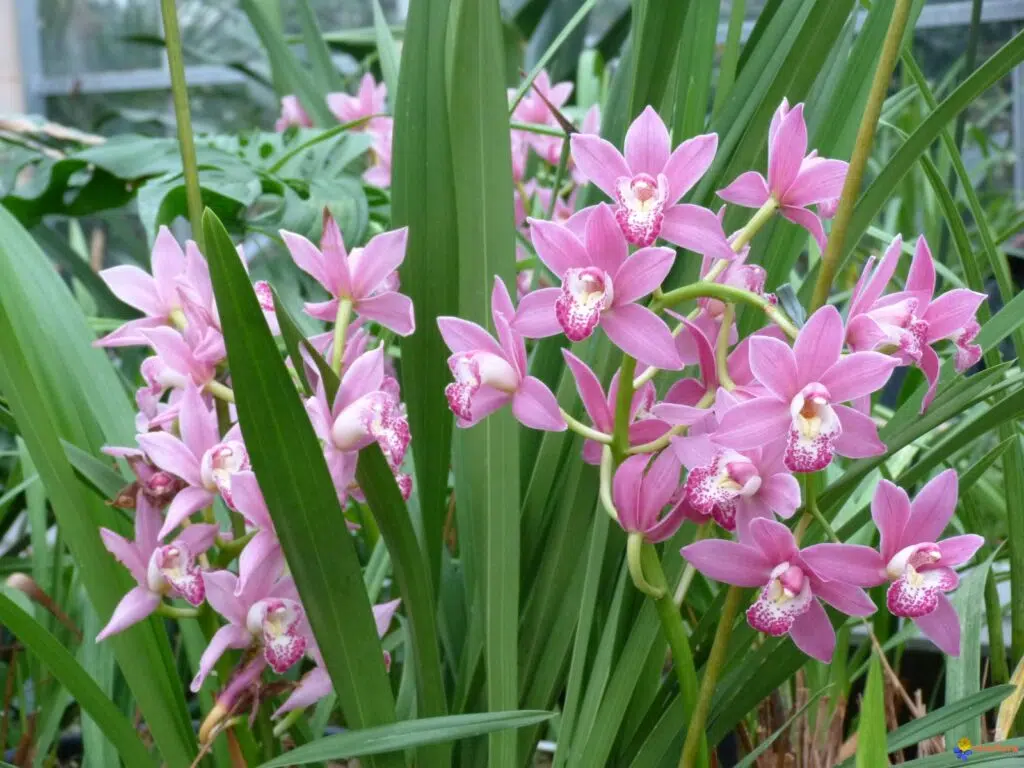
[
  {"x": 871, "y": 751},
  {"x": 945, "y": 718},
  {"x": 300, "y": 494},
  {"x": 730, "y": 54},
  {"x": 694, "y": 60},
  {"x": 326, "y": 77},
  {"x": 387, "y": 50},
  {"x": 406, "y": 735},
  {"x": 657, "y": 31}
]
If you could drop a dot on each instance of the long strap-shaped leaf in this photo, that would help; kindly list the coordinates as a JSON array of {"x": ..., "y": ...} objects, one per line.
[{"x": 300, "y": 494}]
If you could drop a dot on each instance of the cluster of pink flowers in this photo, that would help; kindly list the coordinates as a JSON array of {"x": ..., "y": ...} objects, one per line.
[
  {"x": 369, "y": 104},
  {"x": 759, "y": 411},
  {"x": 191, "y": 454}
]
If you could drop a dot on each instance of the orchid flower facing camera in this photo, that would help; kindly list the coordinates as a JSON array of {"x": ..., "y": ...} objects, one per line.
[
  {"x": 648, "y": 182},
  {"x": 602, "y": 285},
  {"x": 917, "y": 564},
  {"x": 489, "y": 374},
  {"x": 371, "y": 99},
  {"x": 364, "y": 277},
  {"x": 159, "y": 570},
  {"x": 907, "y": 323},
  {"x": 796, "y": 179},
  {"x": 641, "y": 494},
  {"x": 806, "y": 386},
  {"x": 790, "y": 587}
]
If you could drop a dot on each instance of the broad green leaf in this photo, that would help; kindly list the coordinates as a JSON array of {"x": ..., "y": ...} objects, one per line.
[
  {"x": 101, "y": 475},
  {"x": 405, "y": 735},
  {"x": 871, "y": 748},
  {"x": 694, "y": 61},
  {"x": 300, "y": 494},
  {"x": 293, "y": 339},
  {"x": 559, "y": 38}
]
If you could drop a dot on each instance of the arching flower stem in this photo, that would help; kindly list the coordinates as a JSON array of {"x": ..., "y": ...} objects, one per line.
[
  {"x": 341, "y": 322},
  {"x": 582, "y": 429}
]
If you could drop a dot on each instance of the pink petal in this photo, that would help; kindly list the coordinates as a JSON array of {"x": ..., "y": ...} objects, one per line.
[
  {"x": 334, "y": 261},
  {"x": 851, "y": 563},
  {"x": 921, "y": 278},
  {"x": 929, "y": 365},
  {"x": 858, "y": 375},
  {"x": 383, "y": 613},
  {"x": 134, "y": 607},
  {"x": 463, "y": 336},
  {"x": 641, "y": 273},
  {"x": 169, "y": 453},
  {"x": 512, "y": 345},
  {"x": 679, "y": 415},
  {"x": 951, "y": 312},
  {"x": 557, "y": 247},
  {"x": 606, "y": 245},
  {"x": 647, "y": 144},
  {"x": 786, "y": 151},
  {"x": 639, "y": 332},
  {"x": 314, "y": 685},
  {"x": 248, "y": 499},
  {"x": 729, "y": 562},
  {"x": 781, "y": 492},
  {"x": 774, "y": 539},
  {"x": 225, "y": 638},
  {"x": 167, "y": 262},
  {"x": 942, "y": 627},
  {"x": 381, "y": 256},
  {"x": 809, "y": 221},
  {"x": 813, "y": 634},
  {"x": 391, "y": 309},
  {"x": 957, "y": 550},
  {"x": 851, "y": 600},
  {"x": 667, "y": 526},
  {"x": 626, "y": 487},
  {"x": 186, "y": 503},
  {"x": 819, "y": 344},
  {"x": 880, "y": 279},
  {"x": 774, "y": 365},
  {"x": 696, "y": 229},
  {"x": 890, "y": 509},
  {"x": 535, "y": 406},
  {"x": 591, "y": 392},
  {"x": 501, "y": 301},
  {"x": 135, "y": 288},
  {"x": 126, "y": 553},
  {"x": 306, "y": 256},
  {"x": 819, "y": 182},
  {"x": 220, "y": 594},
  {"x": 172, "y": 349},
  {"x": 688, "y": 163},
  {"x": 932, "y": 508},
  {"x": 148, "y": 519},
  {"x": 262, "y": 553},
  {"x": 130, "y": 334},
  {"x": 859, "y": 438},
  {"x": 753, "y": 423},
  {"x": 863, "y": 334},
  {"x": 199, "y": 537},
  {"x": 536, "y": 317},
  {"x": 599, "y": 161},
  {"x": 660, "y": 483},
  {"x": 748, "y": 189},
  {"x": 364, "y": 375},
  {"x": 197, "y": 423}
]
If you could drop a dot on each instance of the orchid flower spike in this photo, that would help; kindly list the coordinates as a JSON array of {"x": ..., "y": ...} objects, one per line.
[
  {"x": 205, "y": 461},
  {"x": 806, "y": 386},
  {"x": 918, "y": 565},
  {"x": 159, "y": 570},
  {"x": 489, "y": 374},
  {"x": 649, "y": 181},
  {"x": 796, "y": 179},
  {"x": 640, "y": 498},
  {"x": 908, "y": 323},
  {"x": 601, "y": 285},
  {"x": 790, "y": 585},
  {"x": 364, "y": 277}
]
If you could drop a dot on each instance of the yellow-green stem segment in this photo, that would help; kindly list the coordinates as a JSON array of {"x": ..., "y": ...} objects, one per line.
[
  {"x": 861, "y": 152},
  {"x": 341, "y": 322}
]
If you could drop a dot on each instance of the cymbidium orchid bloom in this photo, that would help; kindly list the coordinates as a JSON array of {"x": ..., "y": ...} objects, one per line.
[
  {"x": 601, "y": 285},
  {"x": 790, "y": 585},
  {"x": 907, "y": 323},
  {"x": 265, "y": 613},
  {"x": 371, "y": 99},
  {"x": 806, "y": 386},
  {"x": 159, "y": 486},
  {"x": 292, "y": 113},
  {"x": 912, "y": 557},
  {"x": 489, "y": 374},
  {"x": 155, "y": 296},
  {"x": 642, "y": 427},
  {"x": 379, "y": 173},
  {"x": 316, "y": 683},
  {"x": 534, "y": 109},
  {"x": 362, "y": 277},
  {"x": 649, "y": 181},
  {"x": 159, "y": 571},
  {"x": 205, "y": 461},
  {"x": 641, "y": 494},
  {"x": 796, "y": 179}
]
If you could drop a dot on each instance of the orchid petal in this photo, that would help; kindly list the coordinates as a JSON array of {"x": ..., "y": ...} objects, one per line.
[
  {"x": 932, "y": 508},
  {"x": 851, "y": 563},
  {"x": 890, "y": 509},
  {"x": 809, "y": 221},
  {"x": 591, "y": 392},
  {"x": 774, "y": 539},
  {"x": 391, "y": 309},
  {"x": 639, "y": 332},
  {"x": 781, "y": 492},
  {"x": 381, "y": 256},
  {"x": 534, "y": 405},
  {"x": 136, "y": 288},
  {"x": 606, "y": 246},
  {"x": 813, "y": 634},
  {"x": 306, "y": 256},
  {"x": 536, "y": 318},
  {"x": 224, "y": 639},
  {"x": 626, "y": 488},
  {"x": 463, "y": 336},
  {"x": 753, "y": 423},
  {"x": 696, "y": 229},
  {"x": 186, "y": 503},
  {"x": 851, "y": 600},
  {"x": 942, "y": 627},
  {"x": 729, "y": 562},
  {"x": 858, "y": 375},
  {"x": 688, "y": 163},
  {"x": 557, "y": 247},
  {"x": 951, "y": 312},
  {"x": 786, "y": 151},
  {"x": 599, "y": 161},
  {"x": 647, "y": 144},
  {"x": 859, "y": 438},
  {"x": 134, "y": 607},
  {"x": 773, "y": 364},
  {"x": 819, "y": 344},
  {"x": 641, "y": 273},
  {"x": 921, "y": 278},
  {"x": 957, "y": 550},
  {"x": 169, "y": 453},
  {"x": 748, "y": 189},
  {"x": 817, "y": 183}
]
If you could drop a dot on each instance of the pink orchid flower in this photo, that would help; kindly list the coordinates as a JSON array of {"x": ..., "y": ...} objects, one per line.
[
  {"x": 371, "y": 99},
  {"x": 796, "y": 179},
  {"x": 159, "y": 571},
  {"x": 533, "y": 109},
  {"x": 379, "y": 172},
  {"x": 292, "y": 113},
  {"x": 206, "y": 462},
  {"x": 649, "y": 181},
  {"x": 316, "y": 683},
  {"x": 641, "y": 498},
  {"x": 907, "y": 323},
  {"x": 263, "y": 549},
  {"x": 489, "y": 374},
  {"x": 266, "y": 613},
  {"x": 601, "y": 285},
  {"x": 791, "y": 587},
  {"x": 155, "y": 296},
  {"x": 643, "y": 428},
  {"x": 911, "y": 557},
  {"x": 361, "y": 276},
  {"x": 805, "y": 388},
  {"x": 158, "y": 486}
]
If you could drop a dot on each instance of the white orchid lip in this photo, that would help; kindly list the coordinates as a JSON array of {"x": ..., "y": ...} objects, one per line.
[
  {"x": 786, "y": 596},
  {"x": 586, "y": 293},
  {"x": 641, "y": 206},
  {"x": 910, "y": 559},
  {"x": 219, "y": 464},
  {"x": 813, "y": 431},
  {"x": 278, "y": 622}
]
